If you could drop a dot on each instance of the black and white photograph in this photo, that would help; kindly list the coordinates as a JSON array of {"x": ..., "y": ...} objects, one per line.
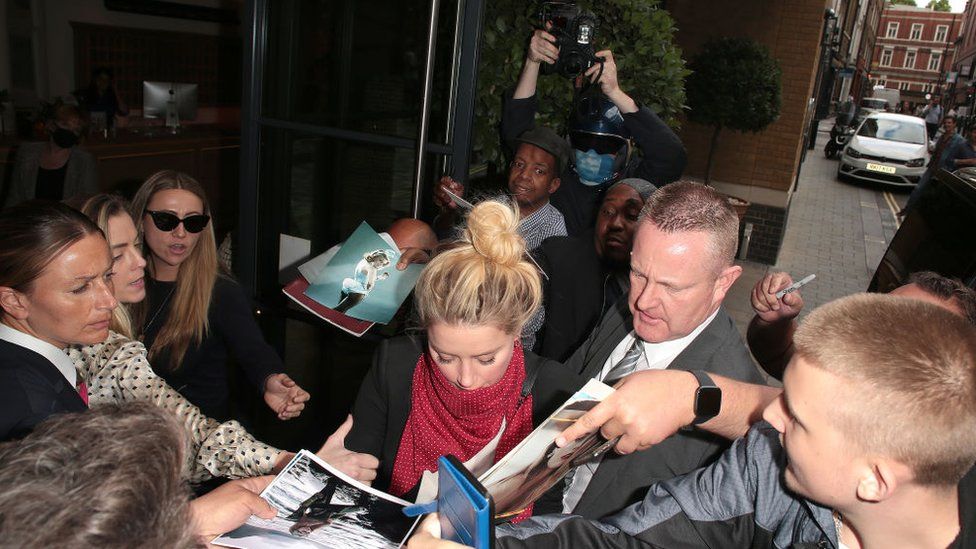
[{"x": 319, "y": 507}]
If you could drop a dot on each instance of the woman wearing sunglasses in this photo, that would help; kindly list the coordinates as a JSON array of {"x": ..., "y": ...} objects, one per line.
[
  {"x": 194, "y": 316},
  {"x": 118, "y": 371}
]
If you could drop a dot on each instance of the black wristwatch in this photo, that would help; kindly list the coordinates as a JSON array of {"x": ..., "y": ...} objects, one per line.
[{"x": 708, "y": 398}]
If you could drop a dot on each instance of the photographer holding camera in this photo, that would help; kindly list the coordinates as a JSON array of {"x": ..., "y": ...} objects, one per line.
[{"x": 603, "y": 128}]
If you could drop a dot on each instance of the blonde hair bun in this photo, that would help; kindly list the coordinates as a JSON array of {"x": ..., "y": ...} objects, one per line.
[{"x": 492, "y": 229}]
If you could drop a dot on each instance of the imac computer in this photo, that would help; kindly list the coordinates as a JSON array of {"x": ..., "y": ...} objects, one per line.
[{"x": 171, "y": 101}]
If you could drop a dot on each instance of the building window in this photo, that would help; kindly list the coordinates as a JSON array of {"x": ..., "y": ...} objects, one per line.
[
  {"x": 935, "y": 61},
  {"x": 910, "y": 59},
  {"x": 892, "y": 30},
  {"x": 881, "y": 82},
  {"x": 904, "y": 86},
  {"x": 886, "y": 58},
  {"x": 941, "y": 33},
  {"x": 916, "y": 33}
]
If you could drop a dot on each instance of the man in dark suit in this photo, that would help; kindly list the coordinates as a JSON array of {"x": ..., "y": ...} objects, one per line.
[
  {"x": 589, "y": 273},
  {"x": 682, "y": 265}
]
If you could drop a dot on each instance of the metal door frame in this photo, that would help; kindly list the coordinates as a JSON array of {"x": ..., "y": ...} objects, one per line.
[{"x": 460, "y": 120}]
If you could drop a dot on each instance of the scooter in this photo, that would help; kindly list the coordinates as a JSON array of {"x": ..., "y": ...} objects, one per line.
[{"x": 840, "y": 134}]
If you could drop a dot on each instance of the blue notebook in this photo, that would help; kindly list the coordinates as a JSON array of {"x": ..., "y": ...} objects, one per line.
[{"x": 464, "y": 506}]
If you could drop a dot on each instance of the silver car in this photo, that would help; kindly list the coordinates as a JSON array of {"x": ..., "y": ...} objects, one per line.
[{"x": 887, "y": 148}]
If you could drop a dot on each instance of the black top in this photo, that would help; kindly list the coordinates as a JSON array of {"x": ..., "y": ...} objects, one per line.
[
  {"x": 202, "y": 376},
  {"x": 31, "y": 389},
  {"x": 383, "y": 404},
  {"x": 579, "y": 290},
  {"x": 663, "y": 160},
  {"x": 50, "y": 183}
]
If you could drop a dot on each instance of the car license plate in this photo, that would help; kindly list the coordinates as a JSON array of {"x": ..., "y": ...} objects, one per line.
[{"x": 880, "y": 168}]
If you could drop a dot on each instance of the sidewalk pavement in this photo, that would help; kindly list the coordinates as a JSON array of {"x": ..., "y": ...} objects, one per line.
[{"x": 836, "y": 230}]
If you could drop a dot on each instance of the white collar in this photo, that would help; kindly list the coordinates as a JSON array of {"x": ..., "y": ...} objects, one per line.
[{"x": 55, "y": 356}]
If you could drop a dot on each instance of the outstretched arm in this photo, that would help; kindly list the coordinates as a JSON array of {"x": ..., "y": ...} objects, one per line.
[{"x": 648, "y": 407}]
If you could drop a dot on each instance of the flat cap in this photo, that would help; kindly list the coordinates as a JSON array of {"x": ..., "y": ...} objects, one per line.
[{"x": 549, "y": 141}]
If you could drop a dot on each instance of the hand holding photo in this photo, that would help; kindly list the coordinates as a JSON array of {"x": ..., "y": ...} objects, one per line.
[{"x": 362, "y": 281}]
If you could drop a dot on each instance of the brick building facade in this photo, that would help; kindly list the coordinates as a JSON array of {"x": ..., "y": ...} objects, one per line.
[
  {"x": 914, "y": 51},
  {"x": 965, "y": 63},
  {"x": 759, "y": 167}
]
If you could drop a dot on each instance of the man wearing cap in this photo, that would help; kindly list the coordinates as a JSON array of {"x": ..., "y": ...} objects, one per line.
[
  {"x": 532, "y": 177},
  {"x": 604, "y": 130},
  {"x": 590, "y": 272}
]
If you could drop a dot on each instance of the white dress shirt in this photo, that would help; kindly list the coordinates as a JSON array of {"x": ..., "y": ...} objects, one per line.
[
  {"x": 657, "y": 356},
  {"x": 55, "y": 356}
]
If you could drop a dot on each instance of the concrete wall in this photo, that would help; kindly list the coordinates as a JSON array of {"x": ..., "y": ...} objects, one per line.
[{"x": 757, "y": 167}]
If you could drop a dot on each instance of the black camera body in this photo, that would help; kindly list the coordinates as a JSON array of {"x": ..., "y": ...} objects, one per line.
[{"x": 574, "y": 29}]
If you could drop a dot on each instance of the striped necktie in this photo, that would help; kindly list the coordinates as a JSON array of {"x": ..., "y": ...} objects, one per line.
[{"x": 627, "y": 364}]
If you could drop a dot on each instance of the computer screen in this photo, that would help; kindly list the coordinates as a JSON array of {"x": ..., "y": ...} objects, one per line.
[{"x": 157, "y": 95}]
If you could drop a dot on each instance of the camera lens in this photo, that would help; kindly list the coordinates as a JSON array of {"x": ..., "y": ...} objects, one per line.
[{"x": 573, "y": 64}]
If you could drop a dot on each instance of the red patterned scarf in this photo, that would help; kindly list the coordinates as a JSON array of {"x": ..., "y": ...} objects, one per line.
[{"x": 447, "y": 420}]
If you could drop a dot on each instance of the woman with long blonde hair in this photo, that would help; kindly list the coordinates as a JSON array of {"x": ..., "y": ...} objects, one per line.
[
  {"x": 452, "y": 390},
  {"x": 195, "y": 317}
]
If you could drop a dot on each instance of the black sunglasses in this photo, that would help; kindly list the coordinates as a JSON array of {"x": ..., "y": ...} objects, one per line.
[{"x": 165, "y": 221}]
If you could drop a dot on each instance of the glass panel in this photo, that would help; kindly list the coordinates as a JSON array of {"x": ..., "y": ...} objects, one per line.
[
  {"x": 357, "y": 65},
  {"x": 326, "y": 186}
]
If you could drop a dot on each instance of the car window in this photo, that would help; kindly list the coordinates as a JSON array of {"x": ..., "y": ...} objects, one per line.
[{"x": 893, "y": 130}]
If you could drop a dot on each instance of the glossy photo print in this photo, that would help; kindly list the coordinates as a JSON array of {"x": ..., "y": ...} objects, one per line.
[{"x": 362, "y": 280}]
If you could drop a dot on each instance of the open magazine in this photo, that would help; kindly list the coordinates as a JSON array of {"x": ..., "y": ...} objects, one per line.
[
  {"x": 361, "y": 280},
  {"x": 536, "y": 463},
  {"x": 320, "y": 507},
  {"x": 296, "y": 291},
  {"x": 356, "y": 284}
]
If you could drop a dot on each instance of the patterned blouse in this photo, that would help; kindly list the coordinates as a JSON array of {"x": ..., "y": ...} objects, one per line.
[{"x": 117, "y": 371}]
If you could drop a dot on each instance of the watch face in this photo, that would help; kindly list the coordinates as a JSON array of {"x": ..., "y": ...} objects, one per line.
[{"x": 708, "y": 402}]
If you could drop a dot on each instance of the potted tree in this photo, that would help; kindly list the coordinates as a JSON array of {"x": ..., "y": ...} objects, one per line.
[{"x": 736, "y": 84}]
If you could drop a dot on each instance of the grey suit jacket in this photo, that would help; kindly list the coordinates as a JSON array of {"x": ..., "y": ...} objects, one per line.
[
  {"x": 79, "y": 177},
  {"x": 622, "y": 480}
]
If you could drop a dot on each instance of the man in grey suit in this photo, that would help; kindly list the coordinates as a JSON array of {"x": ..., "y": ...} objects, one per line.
[{"x": 682, "y": 265}]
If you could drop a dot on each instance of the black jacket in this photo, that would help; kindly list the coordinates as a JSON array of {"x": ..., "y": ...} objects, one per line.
[
  {"x": 579, "y": 289},
  {"x": 202, "y": 376},
  {"x": 663, "y": 160},
  {"x": 31, "y": 389},
  {"x": 383, "y": 404},
  {"x": 622, "y": 480}
]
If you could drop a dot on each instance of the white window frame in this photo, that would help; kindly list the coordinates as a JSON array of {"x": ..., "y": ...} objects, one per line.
[
  {"x": 891, "y": 55},
  {"x": 916, "y": 33},
  {"x": 910, "y": 54},
  {"x": 935, "y": 60},
  {"x": 944, "y": 31},
  {"x": 904, "y": 85},
  {"x": 892, "y": 31}
]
